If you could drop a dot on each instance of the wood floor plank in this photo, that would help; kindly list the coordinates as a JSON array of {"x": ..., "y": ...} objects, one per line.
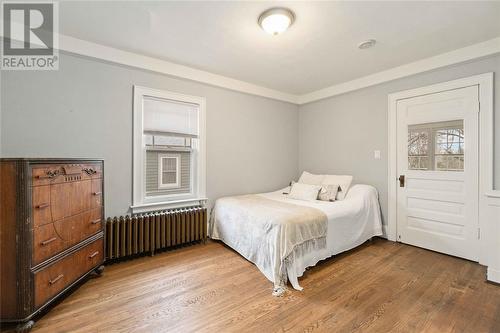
[{"x": 379, "y": 287}]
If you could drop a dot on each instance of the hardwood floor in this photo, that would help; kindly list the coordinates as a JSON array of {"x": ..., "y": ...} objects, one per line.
[{"x": 379, "y": 287}]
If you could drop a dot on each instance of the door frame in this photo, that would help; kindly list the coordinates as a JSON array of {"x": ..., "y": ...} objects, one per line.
[{"x": 486, "y": 130}]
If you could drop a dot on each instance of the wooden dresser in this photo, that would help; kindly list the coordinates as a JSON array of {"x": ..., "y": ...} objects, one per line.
[{"x": 51, "y": 231}]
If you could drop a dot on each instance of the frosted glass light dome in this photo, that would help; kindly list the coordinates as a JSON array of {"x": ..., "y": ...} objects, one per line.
[{"x": 275, "y": 21}]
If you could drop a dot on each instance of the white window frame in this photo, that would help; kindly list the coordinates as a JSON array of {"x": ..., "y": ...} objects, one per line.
[
  {"x": 142, "y": 203},
  {"x": 177, "y": 183}
]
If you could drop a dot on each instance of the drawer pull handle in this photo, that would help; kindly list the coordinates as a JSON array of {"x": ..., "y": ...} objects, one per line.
[
  {"x": 48, "y": 241},
  {"x": 93, "y": 254},
  {"x": 95, "y": 221},
  {"x": 44, "y": 205},
  {"x": 89, "y": 171},
  {"x": 59, "y": 277},
  {"x": 97, "y": 193},
  {"x": 49, "y": 174}
]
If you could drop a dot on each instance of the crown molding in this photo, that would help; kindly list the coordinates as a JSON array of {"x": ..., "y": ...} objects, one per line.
[
  {"x": 479, "y": 50},
  {"x": 93, "y": 50},
  {"x": 98, "y": 51}
]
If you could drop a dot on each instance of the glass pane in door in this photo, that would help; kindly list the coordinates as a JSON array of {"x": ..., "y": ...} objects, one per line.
[
  {"x": 418, "y": 149},
  {"x": 436, "y": 146}
]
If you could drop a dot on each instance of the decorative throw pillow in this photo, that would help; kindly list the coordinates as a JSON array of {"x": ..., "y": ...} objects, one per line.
[
  {"x": 309, "y": 178},
  {"x": 328, "y": 192},
  {"x": 343, "y": 181},
  {"x": 306, "y": 192}
]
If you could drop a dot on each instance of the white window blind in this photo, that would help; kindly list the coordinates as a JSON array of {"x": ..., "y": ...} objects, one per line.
[{"x": 167, "y": 117}]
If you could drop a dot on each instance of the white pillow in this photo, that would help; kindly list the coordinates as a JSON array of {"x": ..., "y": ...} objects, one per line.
[
  {"x": 343, "y": 181},
  {"x": 302, "y": 191},
  {"x": 309, "y": 178}
]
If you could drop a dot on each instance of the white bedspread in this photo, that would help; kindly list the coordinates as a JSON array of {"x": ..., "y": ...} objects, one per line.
[{"x": 351, "y": 222}]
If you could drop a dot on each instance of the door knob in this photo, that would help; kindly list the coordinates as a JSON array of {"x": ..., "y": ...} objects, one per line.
[{"x": 401, "y": 181}]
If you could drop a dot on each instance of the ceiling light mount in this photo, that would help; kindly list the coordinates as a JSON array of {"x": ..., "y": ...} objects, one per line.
[
  {"x": 277, "y": 20},
  {"x": 367, "y": 44}
]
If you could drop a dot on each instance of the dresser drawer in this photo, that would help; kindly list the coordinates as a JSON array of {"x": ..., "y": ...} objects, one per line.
[
  {"x": 54, "y": 278},
  {"x": 42, "y": 211},
  {"x": 96, "y": 193},
  {"x": 52, "y": 238},
  {"x": 46, "y": 243},
  {"x": 69, "y": 199},
  {"x": 54, "y": 202},
  {"x": 46, "y": 174}
]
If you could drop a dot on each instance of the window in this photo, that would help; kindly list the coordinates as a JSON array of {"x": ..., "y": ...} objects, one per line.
[
  {"x": 168, "y": 171},
  {"x": 449, "y": 153},
  {"x": 436, "y": 146},
  {"x": 169, "y": 150},
  {"x": 418, "y": 150}
]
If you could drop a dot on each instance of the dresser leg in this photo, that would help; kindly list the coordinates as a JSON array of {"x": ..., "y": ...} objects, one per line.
[
  {"x": 25, "y": 327},
  {"x": 99, "y": 270}
]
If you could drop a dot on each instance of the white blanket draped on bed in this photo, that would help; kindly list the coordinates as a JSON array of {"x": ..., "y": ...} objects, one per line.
[
  {"x": 350, "y": 223},
  {"x": 267, "y": 232}
]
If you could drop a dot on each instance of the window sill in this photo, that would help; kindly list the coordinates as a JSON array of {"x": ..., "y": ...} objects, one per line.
[{"x": 156, "y": 206}]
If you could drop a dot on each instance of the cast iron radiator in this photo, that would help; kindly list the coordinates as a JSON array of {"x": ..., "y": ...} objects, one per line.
[{"x": 146, "y": 233}]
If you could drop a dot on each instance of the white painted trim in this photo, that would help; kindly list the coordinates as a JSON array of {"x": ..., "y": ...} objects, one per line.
[
  {"x": 493, "y": 275},
  {"x": 492, "y": 214},
  {"x": 93, "y": 50},
  {"x": 487, "y": 48},
  {"x": 156, "y": 206},
  {"x": 485, "y": 83},
  {"x": 392, "y": 191},
  {"x": 139, "y": 197}
]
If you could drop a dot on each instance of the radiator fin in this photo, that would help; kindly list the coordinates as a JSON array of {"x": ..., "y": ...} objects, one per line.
[{"x": 146, "y": 233}]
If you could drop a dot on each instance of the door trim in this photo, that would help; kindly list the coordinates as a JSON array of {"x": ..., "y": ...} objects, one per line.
[{"x": 486, "y": 129}]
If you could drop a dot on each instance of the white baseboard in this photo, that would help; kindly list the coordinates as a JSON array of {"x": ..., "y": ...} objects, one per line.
[
  {"x": 493, "y": 275},
  {"x": 386, "y": 234}
]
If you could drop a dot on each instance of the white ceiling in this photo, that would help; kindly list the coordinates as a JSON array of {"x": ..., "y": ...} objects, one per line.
[{"x": 319, "y": 50}]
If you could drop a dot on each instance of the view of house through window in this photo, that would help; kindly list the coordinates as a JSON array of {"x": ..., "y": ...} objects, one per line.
[
  {"x": 168, "y": 171},
  {"x": 170, "y": 137},
  {"x": 436, "y": 146}
]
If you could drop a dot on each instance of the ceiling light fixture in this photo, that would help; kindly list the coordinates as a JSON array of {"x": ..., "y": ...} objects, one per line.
[
  {"x": 275, "y": 21},
  {"x": 367, "y": 44}
]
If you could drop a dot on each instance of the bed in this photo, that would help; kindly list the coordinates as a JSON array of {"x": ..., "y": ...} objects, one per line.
[{"x": 263, "y": 228}]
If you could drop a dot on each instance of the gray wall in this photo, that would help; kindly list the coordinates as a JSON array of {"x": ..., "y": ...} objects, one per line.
[
  {"x": 85, "y": 110},
  {"x": 339, "y": 135}
]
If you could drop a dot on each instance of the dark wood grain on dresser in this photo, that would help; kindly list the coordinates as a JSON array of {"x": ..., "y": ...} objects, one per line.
[
  {"x": 7, "y": 242},
  {"x": 52, "y": 238},
  {"x": 49, "y": 215},
  {"x": 49, "y": 281}
]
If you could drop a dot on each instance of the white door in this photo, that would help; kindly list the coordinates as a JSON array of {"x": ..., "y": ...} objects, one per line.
[{"x": 437, "y": 161}]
